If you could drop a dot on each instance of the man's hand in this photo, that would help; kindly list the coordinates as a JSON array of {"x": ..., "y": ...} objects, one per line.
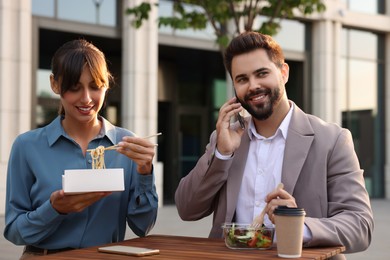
[
  {"x": 278, "y": 197},
  {"x": 228, "y": 140}
]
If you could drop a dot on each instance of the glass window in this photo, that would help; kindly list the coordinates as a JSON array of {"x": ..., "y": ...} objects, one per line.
[
  {"x": 166, "y": 9},
  {"x": 361, "y": 102},
  {"x": 43, "y": 8},
  {"x": 88, "y": 11},
  {"x": 296, "y": 43},
  {"x": 219, "y": 95},
  {"x": 283, "y": 37},
  {"x": 43, "y": 84},
  {"x": 48, "y": 101},
  {"x": 365, "y": 6},
  {"x": 101, "y": 12},
  {"x": 355, "y": 41}
]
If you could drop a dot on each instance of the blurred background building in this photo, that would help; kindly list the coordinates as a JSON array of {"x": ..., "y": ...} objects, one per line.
[{"x": 174, "y": 81}]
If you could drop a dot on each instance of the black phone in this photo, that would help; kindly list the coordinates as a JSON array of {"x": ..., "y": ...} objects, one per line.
[
  {"x": 240, "y": 120},
  {"x": 239, "y": 117}
]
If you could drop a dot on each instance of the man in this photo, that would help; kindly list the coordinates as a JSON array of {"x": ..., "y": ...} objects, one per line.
[{"x": 242, "y": 166}]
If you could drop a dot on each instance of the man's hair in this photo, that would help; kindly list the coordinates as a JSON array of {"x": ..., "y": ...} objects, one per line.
[{"x": 250, "y": 41}]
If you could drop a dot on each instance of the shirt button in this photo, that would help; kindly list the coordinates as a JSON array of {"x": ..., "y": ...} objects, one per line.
[{"x": 257, "y": 203}]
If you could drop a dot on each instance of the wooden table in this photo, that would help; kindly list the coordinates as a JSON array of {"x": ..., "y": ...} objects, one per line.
[{"x": 176, "y": 247}]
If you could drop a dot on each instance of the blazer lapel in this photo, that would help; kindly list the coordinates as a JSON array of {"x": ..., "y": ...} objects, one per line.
[{"x": 299, "y": 139}]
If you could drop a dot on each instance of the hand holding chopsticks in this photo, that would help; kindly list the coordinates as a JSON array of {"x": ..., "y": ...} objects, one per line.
[{"x": 114, "y": 147}]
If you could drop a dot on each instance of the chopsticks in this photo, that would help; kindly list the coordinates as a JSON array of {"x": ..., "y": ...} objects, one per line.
[{"x": 114, "y": 147}]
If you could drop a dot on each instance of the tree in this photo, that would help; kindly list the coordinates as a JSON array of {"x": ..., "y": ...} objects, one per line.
[{"x": 196, "y": 14}]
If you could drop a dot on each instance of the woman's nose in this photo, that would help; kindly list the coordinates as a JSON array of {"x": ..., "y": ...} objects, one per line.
[{"x": 86, "y": 96}]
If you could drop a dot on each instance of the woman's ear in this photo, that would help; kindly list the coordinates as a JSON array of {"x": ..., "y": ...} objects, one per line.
[{"x": 54, "y": 85}]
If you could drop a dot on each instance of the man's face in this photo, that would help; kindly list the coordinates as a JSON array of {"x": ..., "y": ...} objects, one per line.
[{"x": 258, "y": 82}]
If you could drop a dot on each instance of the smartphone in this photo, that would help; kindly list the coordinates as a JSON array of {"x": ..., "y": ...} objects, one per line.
[
  {"x": 240, "y": 120},
  {"x": 128, "y": 250},
  {"x": 239, "y": 117}
]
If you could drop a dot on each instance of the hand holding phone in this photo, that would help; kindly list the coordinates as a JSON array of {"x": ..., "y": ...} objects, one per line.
[
  {"x": 239, "y": 117},
  {"x": 240, "y": 120}
]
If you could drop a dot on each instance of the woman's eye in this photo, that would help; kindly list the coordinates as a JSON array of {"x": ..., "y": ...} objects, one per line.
[
  {"x": 95, "y": 87},
  {"x": 74, "y": 88}
]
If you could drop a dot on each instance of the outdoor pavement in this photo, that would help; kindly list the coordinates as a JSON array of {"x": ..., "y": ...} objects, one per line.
[{"x": 168, "y": 222}]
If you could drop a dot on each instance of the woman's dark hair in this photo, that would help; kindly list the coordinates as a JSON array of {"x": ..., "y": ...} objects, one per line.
[
  {"x": 250, "y": 41},
  {"x": 69, "y": 60}
]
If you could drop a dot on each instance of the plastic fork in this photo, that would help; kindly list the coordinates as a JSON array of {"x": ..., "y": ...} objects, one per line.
[{"x": 259, "y": 219}]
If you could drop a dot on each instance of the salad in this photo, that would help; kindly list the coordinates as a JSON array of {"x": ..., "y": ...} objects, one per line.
[{"x": 243, "y": 236}]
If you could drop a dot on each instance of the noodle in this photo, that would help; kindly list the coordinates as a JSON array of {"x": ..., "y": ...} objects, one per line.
[{"x": 98, "y": 158}]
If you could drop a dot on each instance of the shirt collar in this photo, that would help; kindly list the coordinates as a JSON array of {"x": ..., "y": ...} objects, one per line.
[
  {"x": 282, "y": 129},
  {"x": 55, "y": 130}
]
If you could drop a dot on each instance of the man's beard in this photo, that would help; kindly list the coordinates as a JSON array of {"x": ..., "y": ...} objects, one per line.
[{"x": 265, "y": 110}]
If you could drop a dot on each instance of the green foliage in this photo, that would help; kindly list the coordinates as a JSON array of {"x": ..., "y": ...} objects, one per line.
[
  {"x": 140, "y": 13},
  {"x": 197, "y": 14}
]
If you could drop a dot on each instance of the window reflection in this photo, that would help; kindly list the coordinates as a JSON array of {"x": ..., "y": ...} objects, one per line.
[
  {"x": 363, "y": 85},
  {"x": 166, "y": 9},
  {"x": 296, "y": 43},
  {"x": 360, "y": 101},
  {"x": 47, "y": 100},
  {"x": 101, "y": 12},
  {"x": 284, "y": 38},
  {"x": 359, "y": 44},
  {"x": 360, "y": 69},
  {"x": 43, "y": 84},
  {"x": 365, "y": 6},
  {"x": 43, "y": 8}
]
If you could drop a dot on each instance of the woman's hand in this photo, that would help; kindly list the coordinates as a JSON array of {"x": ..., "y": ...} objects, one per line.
[
  {"x": 140, "y": 150},
  {"x": 65, "y": 204}
]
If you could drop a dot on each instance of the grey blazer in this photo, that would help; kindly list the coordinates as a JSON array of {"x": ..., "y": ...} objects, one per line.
[{"x": 320, "y": 169}]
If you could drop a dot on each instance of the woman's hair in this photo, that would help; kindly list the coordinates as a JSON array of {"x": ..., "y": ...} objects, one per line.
[
  {"x": 250, "y": 41},
  {"x": 69, "y": 60}
]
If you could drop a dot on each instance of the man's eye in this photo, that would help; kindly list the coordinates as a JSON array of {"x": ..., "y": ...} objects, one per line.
[
  {"x": 262, "y": 74},
  {"x": 241, "y": 80}
]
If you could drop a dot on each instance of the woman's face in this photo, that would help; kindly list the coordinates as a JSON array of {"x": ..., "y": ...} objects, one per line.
[{"x": 83, "y": 101}]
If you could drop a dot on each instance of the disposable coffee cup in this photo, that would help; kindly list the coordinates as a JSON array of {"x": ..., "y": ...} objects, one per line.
[{"x": 289, "y": 231}]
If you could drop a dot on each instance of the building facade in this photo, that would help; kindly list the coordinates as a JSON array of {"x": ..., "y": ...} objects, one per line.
[{"x": 174, "y": 81}]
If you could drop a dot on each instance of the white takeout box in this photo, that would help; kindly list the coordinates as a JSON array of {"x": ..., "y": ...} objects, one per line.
[{"x": 93, "y": 180}]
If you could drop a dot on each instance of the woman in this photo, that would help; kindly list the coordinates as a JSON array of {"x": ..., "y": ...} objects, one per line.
[{"x": 38, "y": 213}]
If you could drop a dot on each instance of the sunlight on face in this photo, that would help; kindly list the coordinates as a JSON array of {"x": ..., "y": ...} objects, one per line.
[{"x": 258, "y": 82}]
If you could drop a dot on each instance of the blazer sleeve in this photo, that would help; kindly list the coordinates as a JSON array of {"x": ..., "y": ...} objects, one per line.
[
  {"x": 349, "y": 218},
  {"x": 197, "y": 193}
]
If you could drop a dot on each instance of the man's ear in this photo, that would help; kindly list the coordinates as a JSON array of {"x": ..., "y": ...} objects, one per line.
[
  {"x": 54, "y": 85},
  {"x": 285, "y": 72}
]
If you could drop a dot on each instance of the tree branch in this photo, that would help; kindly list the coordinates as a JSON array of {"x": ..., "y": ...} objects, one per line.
[
  {"x": 236, "y": 18},
  {"x": 276, "y": 11},
  {"x": 218, "y": 31}
]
